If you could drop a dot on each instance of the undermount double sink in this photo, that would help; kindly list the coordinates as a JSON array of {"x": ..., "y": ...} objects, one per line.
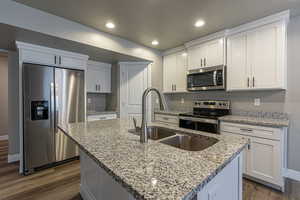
[{"x": 178, "y": 139}]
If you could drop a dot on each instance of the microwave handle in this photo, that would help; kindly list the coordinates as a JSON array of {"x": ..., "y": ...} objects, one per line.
[{"x": 215, "y": 78}]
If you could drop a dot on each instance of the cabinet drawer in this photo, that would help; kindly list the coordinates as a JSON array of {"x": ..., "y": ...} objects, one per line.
[
  {"x": 101, "y": 117},
  {"x": 166, "y": 119},
  {"x": 249, "y": 130}
]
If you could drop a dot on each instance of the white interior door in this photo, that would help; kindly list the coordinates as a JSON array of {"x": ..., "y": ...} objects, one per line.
[{"x": 133, "y": 82}]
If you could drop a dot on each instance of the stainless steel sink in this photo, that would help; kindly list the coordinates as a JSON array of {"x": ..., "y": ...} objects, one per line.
[
  {"x": 190, "y": 143},
  {"x": 155, "y": 133}
]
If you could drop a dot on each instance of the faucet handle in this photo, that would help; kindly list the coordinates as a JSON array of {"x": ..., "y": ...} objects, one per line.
[{"x": 135, "y": 124}]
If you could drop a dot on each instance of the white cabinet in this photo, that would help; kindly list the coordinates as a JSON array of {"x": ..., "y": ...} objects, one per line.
[
  {"x": 226, "y": 185},
  {"x": 256, "y": 59},
  {"x": 166, "y": 119},
  {"x": 207, "y": 54},
  {"x": 98, "y": 77},
  {"x": 263, "y": 160},
  {"x": 38, "y": 57},
  {"x": 265, "y": 157},
  {"x": 53, "y": 57},
  {"x": 174, "y": 72}
]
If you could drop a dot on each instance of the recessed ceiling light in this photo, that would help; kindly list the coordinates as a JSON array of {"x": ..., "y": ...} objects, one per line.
[
  {"x": 155, "y": 42},
  {"x": 199, "y": 23},
  {"x": 110, "y": 25}
]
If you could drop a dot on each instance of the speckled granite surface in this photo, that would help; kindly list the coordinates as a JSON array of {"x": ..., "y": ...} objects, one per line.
[
  {"x": 167, "y": 112},
  {"x": 257, "y": 120},
  {"x": 153, "y": 170}
]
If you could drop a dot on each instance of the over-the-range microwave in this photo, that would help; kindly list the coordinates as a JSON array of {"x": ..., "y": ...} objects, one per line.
[{"x": 207, "y": 78}]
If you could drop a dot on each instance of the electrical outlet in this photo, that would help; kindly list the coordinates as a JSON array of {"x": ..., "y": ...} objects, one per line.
[
  {"x": 182, "y": 100},
  {"x": 89, "y": 100},
  {"x": 257, "y": 102}
]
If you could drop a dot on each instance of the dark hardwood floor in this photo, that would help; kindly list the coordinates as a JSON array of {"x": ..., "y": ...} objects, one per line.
[{"x": 62, "y": 183}]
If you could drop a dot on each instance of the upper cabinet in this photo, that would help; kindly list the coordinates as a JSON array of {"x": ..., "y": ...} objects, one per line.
[
  {"x": 98, "y": 77},
  {"x": 206, "y": 54},
  {"x": 256, "y": 58},
  {"x": 174, "y": 72},
  {"x": 36, "y": 54}
]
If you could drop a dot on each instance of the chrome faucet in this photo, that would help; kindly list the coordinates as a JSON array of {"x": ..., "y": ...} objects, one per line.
[{"x": 162, "y": 104}]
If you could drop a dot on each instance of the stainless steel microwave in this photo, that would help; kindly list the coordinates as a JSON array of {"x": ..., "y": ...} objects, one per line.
[{"x": 207, "y": 78}]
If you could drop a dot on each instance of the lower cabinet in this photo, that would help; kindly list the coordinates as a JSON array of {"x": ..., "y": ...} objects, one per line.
[
  {"x": 264, "y": 159},
  {"x": 166, "y": 119},
  {"x": 227, "y": 185}
]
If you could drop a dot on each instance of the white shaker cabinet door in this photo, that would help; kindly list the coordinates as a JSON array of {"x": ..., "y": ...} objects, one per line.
[
  {"x": 263, "y": 160},
  {"x": 180, "y": 72},
  {"x": 169, "y": 69},
  {"x": 39, "y": 57},
  {"x": 214, "y": 52},
  {"x": 238, "y": 73},
  {"x": 195, "y": 57},
  {"x": 266, "y": 54},
  {"x": 72, "y": 62}
]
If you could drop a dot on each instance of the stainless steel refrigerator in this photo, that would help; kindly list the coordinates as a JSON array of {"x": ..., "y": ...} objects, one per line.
[{"x": 51, "y": 96}]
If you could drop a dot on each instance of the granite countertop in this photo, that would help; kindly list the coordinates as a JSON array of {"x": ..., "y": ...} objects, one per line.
[
  {"x": 153, "y": 170},
  {"x": 259, "y": 121},
  {"x": 91, "y": 113},
  {"x": 168, "y": 112}
]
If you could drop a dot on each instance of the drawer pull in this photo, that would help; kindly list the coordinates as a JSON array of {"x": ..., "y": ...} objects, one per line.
[
  {"x": 165, "y": 118},
  {"x": 246, "y": 129}
]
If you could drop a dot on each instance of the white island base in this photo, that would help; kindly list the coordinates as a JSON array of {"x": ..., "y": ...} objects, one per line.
[{"x": 97, "y": 184}]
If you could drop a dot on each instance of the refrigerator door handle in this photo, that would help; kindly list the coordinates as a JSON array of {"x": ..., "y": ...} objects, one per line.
[{"x": 52, "y": 121}]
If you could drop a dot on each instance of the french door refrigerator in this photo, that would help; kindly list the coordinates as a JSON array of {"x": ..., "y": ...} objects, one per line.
[{"x": 51, "y": 96}]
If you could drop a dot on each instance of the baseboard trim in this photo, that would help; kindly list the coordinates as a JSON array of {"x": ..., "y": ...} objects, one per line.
[
  {"x": 3, "y": 137},
  {"x": 292, "y": 174},
  {"x": 13, "y": 158}
]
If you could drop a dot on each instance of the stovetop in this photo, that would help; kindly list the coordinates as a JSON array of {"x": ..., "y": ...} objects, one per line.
[{"x": 209, "y": 109}]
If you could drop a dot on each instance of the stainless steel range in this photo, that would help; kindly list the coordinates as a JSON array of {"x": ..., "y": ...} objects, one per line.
[{"x": 205, "y": 116}]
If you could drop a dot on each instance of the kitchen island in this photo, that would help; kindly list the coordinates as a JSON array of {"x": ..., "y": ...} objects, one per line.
[{"x": 115, "y": 165}]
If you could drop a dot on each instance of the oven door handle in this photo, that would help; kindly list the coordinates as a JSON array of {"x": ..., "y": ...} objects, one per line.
[
  {"x": 215, "y": 78},
  {"x": 210, "y": 121}
]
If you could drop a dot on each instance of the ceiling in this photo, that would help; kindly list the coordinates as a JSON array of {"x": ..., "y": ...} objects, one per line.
[
  {"x": 169, "y": 21},
  {"x": 9, "y": 34}
]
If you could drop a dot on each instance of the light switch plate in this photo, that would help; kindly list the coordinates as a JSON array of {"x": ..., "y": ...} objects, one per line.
[{"x": 257, "y": 102}]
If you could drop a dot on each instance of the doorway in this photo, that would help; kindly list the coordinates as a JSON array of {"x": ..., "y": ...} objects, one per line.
[{"x": 134, "y": 79}]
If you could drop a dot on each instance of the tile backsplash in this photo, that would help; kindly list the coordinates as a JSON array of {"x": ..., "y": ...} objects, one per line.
[{"x": 96, "y": 102}]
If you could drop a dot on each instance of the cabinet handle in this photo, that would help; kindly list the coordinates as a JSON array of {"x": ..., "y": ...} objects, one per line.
[
  {"x": 172, "y": 87},
  {"x": 99, "y": 87},
  {"x": 253, "y": 83},
  {"x": 204, "y": 62},
  {"x": 249, "y": 144},
  {"x": 248, "y": 80},
  {"x": 246, "y": 129},
  {"x": 60, "y": 60},
  {"x": 201, "y": 62},
  {"x": 54, "y": 59},
  {"x": 175, "y": 87},
  {"x": 96, "y": 87}
]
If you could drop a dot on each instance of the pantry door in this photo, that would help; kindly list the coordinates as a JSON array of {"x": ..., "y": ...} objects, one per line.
[{"x": 134, "y": 79}]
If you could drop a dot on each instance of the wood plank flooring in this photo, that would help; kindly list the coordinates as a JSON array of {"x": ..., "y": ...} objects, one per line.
[{"x": 62, "y": 183}]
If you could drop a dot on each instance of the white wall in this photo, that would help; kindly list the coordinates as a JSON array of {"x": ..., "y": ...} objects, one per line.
[{"x": 3, "y": 95}]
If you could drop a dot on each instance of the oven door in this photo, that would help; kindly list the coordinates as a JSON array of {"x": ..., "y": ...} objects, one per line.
[
  {"x": 206, "y": 79},
  {"x": 199, "y": 124}
]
